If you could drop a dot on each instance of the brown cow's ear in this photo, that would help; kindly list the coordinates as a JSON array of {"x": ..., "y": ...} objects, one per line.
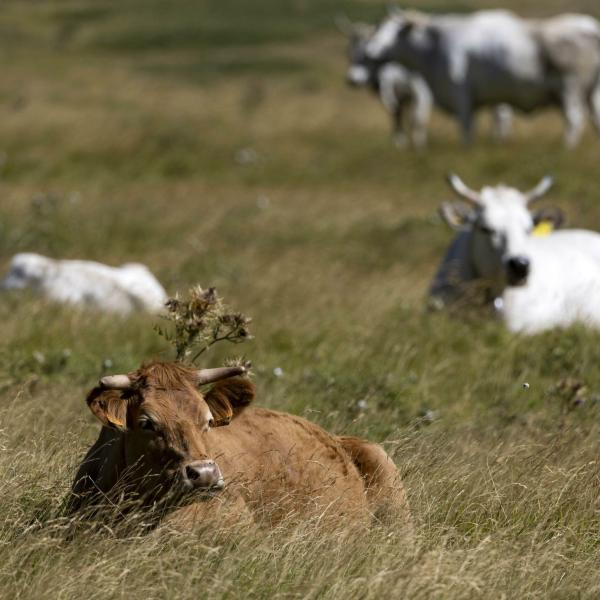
[
  {"x": 227, "y": 398},
  {"x": 108, "y": 407}
]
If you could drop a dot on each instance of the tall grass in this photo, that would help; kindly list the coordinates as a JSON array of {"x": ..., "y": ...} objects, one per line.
[{"x": 222, "y": 148}]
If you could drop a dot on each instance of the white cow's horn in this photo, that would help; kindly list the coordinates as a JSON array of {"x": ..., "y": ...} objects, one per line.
[
  {"x": 211, "y": 375},
  {"x": 344, "y": 24},
  {"x": 539, "y": 190},
  {"x": 116, "y": 382},
  {"x": 457, "y": 184}
]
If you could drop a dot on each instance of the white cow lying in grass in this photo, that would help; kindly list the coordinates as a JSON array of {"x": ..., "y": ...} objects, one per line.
[
  {"x": 114, "y": 289},
  {"x": 535, "y": 281}
]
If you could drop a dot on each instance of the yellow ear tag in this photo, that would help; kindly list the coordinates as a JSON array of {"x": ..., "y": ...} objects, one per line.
[{"x": 543, "y": 228}]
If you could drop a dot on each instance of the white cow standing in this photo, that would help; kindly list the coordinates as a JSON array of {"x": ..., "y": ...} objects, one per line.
[
  {"x": 123, "y": 289},
  {"x": 493, "y": 56},
  {"x": 537, "y": 282},
  {"x": 404, "y": 93}
]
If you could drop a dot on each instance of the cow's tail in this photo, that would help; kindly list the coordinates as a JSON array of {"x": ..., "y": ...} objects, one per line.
[
  {"x": 593, "y": 98},
  {"x": 383, "y": 485}
]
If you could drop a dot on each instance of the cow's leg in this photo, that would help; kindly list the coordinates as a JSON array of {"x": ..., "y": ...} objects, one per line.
[
  {"x": 398, "y": 122},
  {"x": 594, "y": 106},
  {"x": 419, "y": 119},
  {"x": 383, "y": 486},
  {"x": 421, "y": 106},
  {"x": 574, "y": 113},
  {"x": 395, "y": 107},
  {"x": 502, "y": 121},
  {"x": 464, "y": 112}
]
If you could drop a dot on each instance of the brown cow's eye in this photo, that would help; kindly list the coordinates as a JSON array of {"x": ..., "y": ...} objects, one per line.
[{"x": 147, "y": 424}]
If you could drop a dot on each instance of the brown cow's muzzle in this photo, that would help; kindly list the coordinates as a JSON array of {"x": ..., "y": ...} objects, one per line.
[{"x": 203, "y": 475}]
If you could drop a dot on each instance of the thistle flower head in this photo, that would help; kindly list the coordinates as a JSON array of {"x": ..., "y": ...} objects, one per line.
[{"x": 199, "y": 321}]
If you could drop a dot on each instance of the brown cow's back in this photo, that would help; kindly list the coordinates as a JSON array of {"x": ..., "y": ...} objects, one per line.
[{"x": 283, "y": 465}]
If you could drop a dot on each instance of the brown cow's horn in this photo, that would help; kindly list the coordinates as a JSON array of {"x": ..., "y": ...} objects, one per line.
[
  {"x": 211, "y": 375},
  {"x": 540, "y": 189},
  {"x": 116, "y": 382},
  {"x": 457, "y": 184}
]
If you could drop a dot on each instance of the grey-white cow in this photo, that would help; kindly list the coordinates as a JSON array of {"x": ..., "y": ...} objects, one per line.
[
  {"x": 491, "y": 57},
  {"x": 536, "y": 282},
  {"x": 401, "y": 90}
]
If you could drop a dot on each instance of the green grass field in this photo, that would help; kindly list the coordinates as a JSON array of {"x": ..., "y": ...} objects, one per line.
[{"x": 217, "y": 143}]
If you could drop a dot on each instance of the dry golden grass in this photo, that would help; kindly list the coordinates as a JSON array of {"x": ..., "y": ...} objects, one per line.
[{"x": 125, "y": 135}]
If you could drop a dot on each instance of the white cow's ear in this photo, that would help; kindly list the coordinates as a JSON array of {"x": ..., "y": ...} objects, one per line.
[
  {"x": 549, "y": 214},
  {"x": 364, "y": 30},
  {"x": 456, "y": 214},
  {"x": 108, "y": 407}
]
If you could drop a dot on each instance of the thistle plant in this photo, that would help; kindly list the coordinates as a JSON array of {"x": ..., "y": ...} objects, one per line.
[{"x": 199, "y": 321}]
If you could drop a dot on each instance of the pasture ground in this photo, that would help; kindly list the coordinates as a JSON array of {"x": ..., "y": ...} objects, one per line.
[{"x": 217, "y": 143}]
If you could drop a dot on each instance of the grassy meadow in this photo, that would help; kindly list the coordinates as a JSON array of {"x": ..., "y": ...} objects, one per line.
[{"x": 217, "y": 143}]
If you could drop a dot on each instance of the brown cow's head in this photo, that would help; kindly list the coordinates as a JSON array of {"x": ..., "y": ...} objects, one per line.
[{"x": 166, "y": 422}]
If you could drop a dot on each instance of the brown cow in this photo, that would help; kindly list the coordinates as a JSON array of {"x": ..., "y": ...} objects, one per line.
[{"x": 164, "y": 442}]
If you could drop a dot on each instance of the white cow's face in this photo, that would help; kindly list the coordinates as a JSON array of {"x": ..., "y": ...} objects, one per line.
[
  {"x": 502, "y": 225},
  {"x": 26, "y": 270},
  {"x": 362, "y": 69}
]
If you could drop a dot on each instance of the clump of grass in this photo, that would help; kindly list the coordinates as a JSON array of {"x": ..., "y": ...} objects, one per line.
[{"x": 200, "y": 321}]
